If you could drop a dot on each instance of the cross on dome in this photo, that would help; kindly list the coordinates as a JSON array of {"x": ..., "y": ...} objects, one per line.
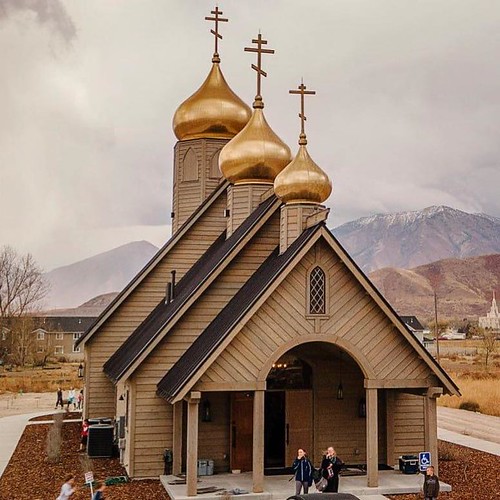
[
  {"x": 302, "y": 92},
  {"x": 260, "y": 72},
  {"x": 216, "y": 13}
]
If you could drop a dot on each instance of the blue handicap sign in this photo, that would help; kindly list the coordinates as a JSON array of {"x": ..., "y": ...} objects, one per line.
[{"x": 424, "y": 460}]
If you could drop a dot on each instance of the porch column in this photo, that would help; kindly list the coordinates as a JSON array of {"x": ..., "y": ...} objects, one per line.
[
  {"x": 192, "y": 443},
  {"x": 430, "y": 424},
  {"x": 177, "y": 439},
  {"x": 372, "y": 437},
  {"x": 389, "y": 429},
  {"x": 258, "y": 442}
]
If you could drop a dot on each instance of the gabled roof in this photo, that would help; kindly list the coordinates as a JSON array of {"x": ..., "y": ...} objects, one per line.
[
  {"x": 412, "y": 322},
  {"x": 163, "y": 314},
  {"x": 103, "y": 317},
  {"x": 223, "y": 323},
  {"x": 68, "y": 324},
  {"x": 183, "y": 372}
]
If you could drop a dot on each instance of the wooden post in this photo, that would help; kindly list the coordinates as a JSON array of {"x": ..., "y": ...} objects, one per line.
[
  {"x": 372, "y": 437},
  {"x": 177, "y": 439},
  {"x": 430, "y": 424},
  {"x": 192, "y": 443},
  {"x": 258, "y": 442},
  {"x": 389, "y": 431}
]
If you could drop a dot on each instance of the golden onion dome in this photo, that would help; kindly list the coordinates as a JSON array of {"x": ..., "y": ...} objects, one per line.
[
  {"x": 214, "y": 111},
  {"x": 256, "y": 154},
  {"x": 302, "y": 181}
]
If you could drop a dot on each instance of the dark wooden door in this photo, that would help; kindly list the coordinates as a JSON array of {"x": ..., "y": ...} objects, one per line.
[
  {"x": 299, "y": 423},
  {"x": 241, "y": 430}
]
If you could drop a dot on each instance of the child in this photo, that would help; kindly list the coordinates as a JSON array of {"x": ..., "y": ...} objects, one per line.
[
  {"x": 98, "y": 492},
  {"x": 431, "y": 484},
  {"x": 302, "y": 469},
  {"x": 84, "y": 434},
  {"x": 68, "y": 488}
]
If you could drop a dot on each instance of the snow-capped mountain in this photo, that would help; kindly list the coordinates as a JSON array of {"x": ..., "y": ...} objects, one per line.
[{"x": 410, "y": 239}]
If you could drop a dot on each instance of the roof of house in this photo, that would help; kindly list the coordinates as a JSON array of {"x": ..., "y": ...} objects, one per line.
[
  {"x": 69, "y": 324},
  {"x": 163, "y": 313},
  {"x": 220, "y": 328},
  {"x": 141, "y": 275},
  {"x": 412, "y": 322},
  {"x": 223, "y": 323}
]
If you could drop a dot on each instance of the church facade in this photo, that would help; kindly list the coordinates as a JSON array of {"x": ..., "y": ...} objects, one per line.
[
  {"x": 252, "y": 332},
  {"x": 492, "y": 319}
]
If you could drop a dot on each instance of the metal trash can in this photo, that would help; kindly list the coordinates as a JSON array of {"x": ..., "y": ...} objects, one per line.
[
  {"x": 323, "y": 496},
  {"x": 408, "y": 464},
  {"x": 205, "y": 467}
]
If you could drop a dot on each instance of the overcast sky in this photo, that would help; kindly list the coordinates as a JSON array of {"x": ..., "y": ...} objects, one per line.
[{"x": 407, "y": 111}]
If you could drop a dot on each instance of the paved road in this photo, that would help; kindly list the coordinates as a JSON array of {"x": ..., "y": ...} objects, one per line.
[{"x": 470, "y": 429}]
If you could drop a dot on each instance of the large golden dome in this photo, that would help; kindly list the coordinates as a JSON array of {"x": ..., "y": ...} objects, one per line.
[
  {"x": 256, "y": 154},
  {"x": 213, "y": 111},
  {"x": 302, "y": 181}
]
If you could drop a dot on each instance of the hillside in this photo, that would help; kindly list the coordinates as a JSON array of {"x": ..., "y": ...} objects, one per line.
[
  {"x": 101, "y": 274},
  {"x": 409, "y": 239},
  {"x": 464, "y": 287}
]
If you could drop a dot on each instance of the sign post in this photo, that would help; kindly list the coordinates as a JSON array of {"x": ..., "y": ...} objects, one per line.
[
  {"x": 424, "y": 460},
  {"x": 89, "y": 479}
]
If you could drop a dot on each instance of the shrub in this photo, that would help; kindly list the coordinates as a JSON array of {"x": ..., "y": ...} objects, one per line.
[{"x": 469, "y": 405}]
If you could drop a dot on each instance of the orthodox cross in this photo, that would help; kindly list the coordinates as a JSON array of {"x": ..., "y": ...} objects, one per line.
[
  {"x": 260, "y": 72},
  {"x": 216, "y": 13},
  {"x": 302, "y": 92}
]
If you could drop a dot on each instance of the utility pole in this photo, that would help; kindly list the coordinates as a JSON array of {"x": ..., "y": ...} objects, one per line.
[{"x": 436, "y": 329}]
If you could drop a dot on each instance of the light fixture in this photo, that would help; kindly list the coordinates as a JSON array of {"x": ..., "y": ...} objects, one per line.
[
  {"x": 121, "y": 398},
  {"x": 80, "y": 371},
  {"x": 340, "y": 388},
  {"x": 362, "y": 408},
  {"x": 206, "y": 411}
]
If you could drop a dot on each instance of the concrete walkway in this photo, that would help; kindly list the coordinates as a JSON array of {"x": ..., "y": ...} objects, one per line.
[{"x": 467, "y": 428}]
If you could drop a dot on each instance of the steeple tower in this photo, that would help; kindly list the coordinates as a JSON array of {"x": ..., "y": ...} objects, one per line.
[
  {"x": 302, "y": 185},
  {"x": 203, "y": 124},
  {"x": 252, "y": 159}
]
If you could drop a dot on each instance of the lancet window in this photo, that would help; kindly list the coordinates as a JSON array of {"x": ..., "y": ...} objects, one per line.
[{"x": 317, "y": 291}]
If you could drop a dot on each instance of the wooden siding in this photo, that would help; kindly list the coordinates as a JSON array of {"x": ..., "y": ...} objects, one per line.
[
  {"x": 352, "y": 317},
  {"x": 192, "y": 188},
  {"x": 408, "y": 425},
  {"x": 153, "y": 410},
  {"x": 100, "y": 390}
]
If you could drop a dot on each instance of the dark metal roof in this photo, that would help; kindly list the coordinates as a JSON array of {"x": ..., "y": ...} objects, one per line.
[
  {"x": 208, "y": 201},
  {"x": 223, "y": 323},
  {"x": 160, "y": 316},
  {"x": 412, "y": 322}
]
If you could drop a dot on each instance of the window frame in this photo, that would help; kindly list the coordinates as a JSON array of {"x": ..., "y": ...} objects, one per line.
[{"x": 314, "y": 315}]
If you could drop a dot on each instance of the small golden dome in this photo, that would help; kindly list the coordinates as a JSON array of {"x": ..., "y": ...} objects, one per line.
[
  {"x": 213, "y": 111},
  {"x": 302, "y": 181},
  {"x": 256, "y": 154}
]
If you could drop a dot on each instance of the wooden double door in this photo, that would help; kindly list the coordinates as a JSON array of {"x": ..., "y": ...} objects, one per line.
[{"x": 288, "y": 426}]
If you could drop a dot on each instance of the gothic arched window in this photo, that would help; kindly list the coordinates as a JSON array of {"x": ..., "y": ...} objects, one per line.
[
  {"x": 317, "y": 291},
  {"x": 214, "y": 166},
  {"x": 190, "y": 166}
]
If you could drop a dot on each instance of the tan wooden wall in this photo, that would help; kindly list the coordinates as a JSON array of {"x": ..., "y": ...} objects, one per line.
[
  {"x": 189, "y": 194},
  {"x": 152, "y": 409},
  {"x": 353, "y": 317},
  {"x": 100, "y": 390}
]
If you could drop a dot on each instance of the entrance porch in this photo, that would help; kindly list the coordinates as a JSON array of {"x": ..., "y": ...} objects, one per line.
[{"x": 280, "y": 488}]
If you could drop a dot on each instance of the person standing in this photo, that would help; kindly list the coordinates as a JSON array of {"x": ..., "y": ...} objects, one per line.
[
  {"x": 330, "y": 467},
  {"x": 431, "y": 484},
  {"x": 68, "y": 488},
  {"x": 99, "y": 491},
  {"x": 71, "y": 398},
  {"x": 80, "y": 400},
  {"x": 59, "y": 400},
  {"x": 302, "y": 469},
  {"x": 84, "y": 435}
]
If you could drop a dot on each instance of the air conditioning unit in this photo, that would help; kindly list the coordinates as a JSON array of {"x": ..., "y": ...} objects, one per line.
[{"x": 100, "y": 441}]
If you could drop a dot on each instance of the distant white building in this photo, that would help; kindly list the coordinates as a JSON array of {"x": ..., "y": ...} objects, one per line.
[{"x": 492, "y": 318}]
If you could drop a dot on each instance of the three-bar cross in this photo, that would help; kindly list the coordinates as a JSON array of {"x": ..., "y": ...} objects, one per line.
[
  {"x": 260, "y": 50},
  {"x": 302, "y": 92},
  {"x": 216, "y": 13}
]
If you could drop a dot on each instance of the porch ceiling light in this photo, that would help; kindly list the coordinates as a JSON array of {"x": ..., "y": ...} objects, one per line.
[{"x": 340, "y": 388}]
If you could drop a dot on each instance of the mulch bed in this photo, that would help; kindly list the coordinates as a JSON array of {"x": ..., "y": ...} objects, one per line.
[
  {"x": 473, "y": 475},
  {"x": 29, "y": 476},
  {"x": 70, "y": 415}
]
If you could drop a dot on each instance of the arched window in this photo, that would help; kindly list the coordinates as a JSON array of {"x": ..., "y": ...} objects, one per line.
[
  {"x": 215, "y": 172},
  {"x": 317, "y": 291},
  {"x": 190, "y": 166}
]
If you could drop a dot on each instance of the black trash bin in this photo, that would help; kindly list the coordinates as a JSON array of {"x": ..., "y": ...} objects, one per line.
[{"x": 323, "y": 496}]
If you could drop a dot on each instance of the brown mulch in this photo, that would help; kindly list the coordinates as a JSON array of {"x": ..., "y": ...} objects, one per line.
[
  {"x": 473, "y": 475},
  {"x": 29, "y": 476},
  {"x": 70, "y": 415}
]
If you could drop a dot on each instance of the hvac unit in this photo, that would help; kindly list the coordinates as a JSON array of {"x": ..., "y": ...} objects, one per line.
[{"x": 100, "y": 441}]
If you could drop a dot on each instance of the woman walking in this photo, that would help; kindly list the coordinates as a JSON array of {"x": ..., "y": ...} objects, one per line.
[
  {"x": 302, "y": 469},
  {"x": 330, "y": 467}
]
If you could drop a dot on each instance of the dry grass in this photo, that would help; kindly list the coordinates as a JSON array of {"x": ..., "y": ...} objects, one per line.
[
  {"x": 40, "y": 380},
  {"x": 478, "y": 388}
]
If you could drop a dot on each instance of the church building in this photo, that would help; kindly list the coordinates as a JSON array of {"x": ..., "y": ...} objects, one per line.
[{"x": 252, "y": 333}]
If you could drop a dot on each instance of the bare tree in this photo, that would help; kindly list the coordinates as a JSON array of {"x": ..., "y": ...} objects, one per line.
[
  {"x": 489, "y": 345},
  {"x": 22, "y": 288}
]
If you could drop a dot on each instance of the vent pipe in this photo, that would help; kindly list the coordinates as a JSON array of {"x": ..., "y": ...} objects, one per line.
[
  {"x": 168, "y": 293},
  {"x": 173, "y": 284}
]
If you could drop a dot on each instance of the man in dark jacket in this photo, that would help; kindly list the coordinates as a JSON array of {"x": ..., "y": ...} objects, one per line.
[{"x": 431, "y": 484}]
